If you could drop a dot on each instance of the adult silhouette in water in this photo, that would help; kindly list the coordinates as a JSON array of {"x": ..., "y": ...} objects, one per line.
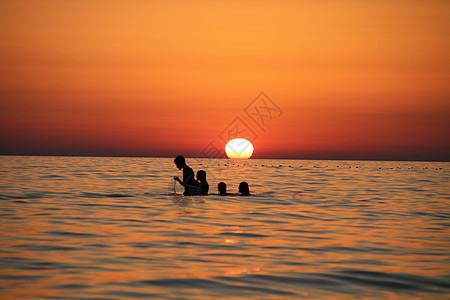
[
  {"x": 222, "y": 187},
  {"x": 243, "y": 189},
  {"x": 191, "y": 186},
  {"x": 204, "y": 186}
]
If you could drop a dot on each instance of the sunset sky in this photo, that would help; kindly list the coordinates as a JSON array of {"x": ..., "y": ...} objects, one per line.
[{"x": 350, "y": 79}]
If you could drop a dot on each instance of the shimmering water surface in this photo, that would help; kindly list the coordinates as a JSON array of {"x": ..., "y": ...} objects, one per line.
[{"x": 111, "y": 228}]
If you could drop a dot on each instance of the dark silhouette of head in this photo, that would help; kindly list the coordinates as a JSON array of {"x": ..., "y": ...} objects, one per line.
[
  {"x": 222, "y": 187},
  {"x": 201, "y": 175},
  {"x": 243, "y": 188},
  {"x": 180, "y": 162}
]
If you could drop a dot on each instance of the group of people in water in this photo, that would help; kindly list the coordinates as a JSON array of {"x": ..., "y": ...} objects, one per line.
[{"x": 200, "y": 186}]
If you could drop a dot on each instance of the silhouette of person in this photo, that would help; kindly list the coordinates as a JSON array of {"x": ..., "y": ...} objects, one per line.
[
  {"x": 191, "y": 186},
  {"x": 204, "y": 186},
  {"x": 243, "y": 189},
  {"x": 222, "y": 187}
]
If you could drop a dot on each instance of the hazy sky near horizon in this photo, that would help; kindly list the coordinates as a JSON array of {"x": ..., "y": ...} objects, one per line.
[{"x": 352, "y": 79}]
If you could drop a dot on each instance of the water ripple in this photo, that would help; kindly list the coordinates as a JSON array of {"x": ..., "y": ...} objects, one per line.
[{"x": 108, "y": 228}]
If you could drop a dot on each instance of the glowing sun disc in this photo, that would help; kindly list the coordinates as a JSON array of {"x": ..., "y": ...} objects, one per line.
[{"x": 239, "y": 148}]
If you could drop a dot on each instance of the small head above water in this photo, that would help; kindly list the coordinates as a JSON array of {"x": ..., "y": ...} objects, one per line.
[
  {"x": 222, "y": 187},
  {"x": 180, "y": 162},
  {"x": 201, "y": 175},
  {"x": 243, "y": 188}
]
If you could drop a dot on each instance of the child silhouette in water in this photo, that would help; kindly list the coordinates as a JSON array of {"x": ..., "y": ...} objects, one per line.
[
  {"x": 243, "y": 189},
  {"x": 222, "y": 187},
  {"x": 204, "y": 186}
]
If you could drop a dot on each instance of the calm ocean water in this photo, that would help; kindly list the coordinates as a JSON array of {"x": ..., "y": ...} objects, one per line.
[{"x": 111, "y": 228}]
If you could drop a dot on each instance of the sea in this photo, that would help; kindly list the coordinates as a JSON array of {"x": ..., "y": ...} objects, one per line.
[{"x": 120, "y": 228}]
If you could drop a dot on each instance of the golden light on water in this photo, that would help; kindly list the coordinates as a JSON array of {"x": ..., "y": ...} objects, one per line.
[
  {"x": 239, "y": 148},
  {"x": 229, "y": 239}
]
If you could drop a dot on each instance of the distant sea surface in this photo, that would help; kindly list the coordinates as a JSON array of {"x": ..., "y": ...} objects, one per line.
[{"x": 118, "y": 228}]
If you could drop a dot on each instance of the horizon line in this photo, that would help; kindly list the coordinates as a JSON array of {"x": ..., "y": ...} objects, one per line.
[{"x": 198, "y": 157}]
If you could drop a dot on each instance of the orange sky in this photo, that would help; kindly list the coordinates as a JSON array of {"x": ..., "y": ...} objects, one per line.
[{"x": 354, "y": 79}]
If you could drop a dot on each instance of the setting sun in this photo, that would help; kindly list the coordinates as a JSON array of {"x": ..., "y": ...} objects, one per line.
[{"x": 239, "y": 148}]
